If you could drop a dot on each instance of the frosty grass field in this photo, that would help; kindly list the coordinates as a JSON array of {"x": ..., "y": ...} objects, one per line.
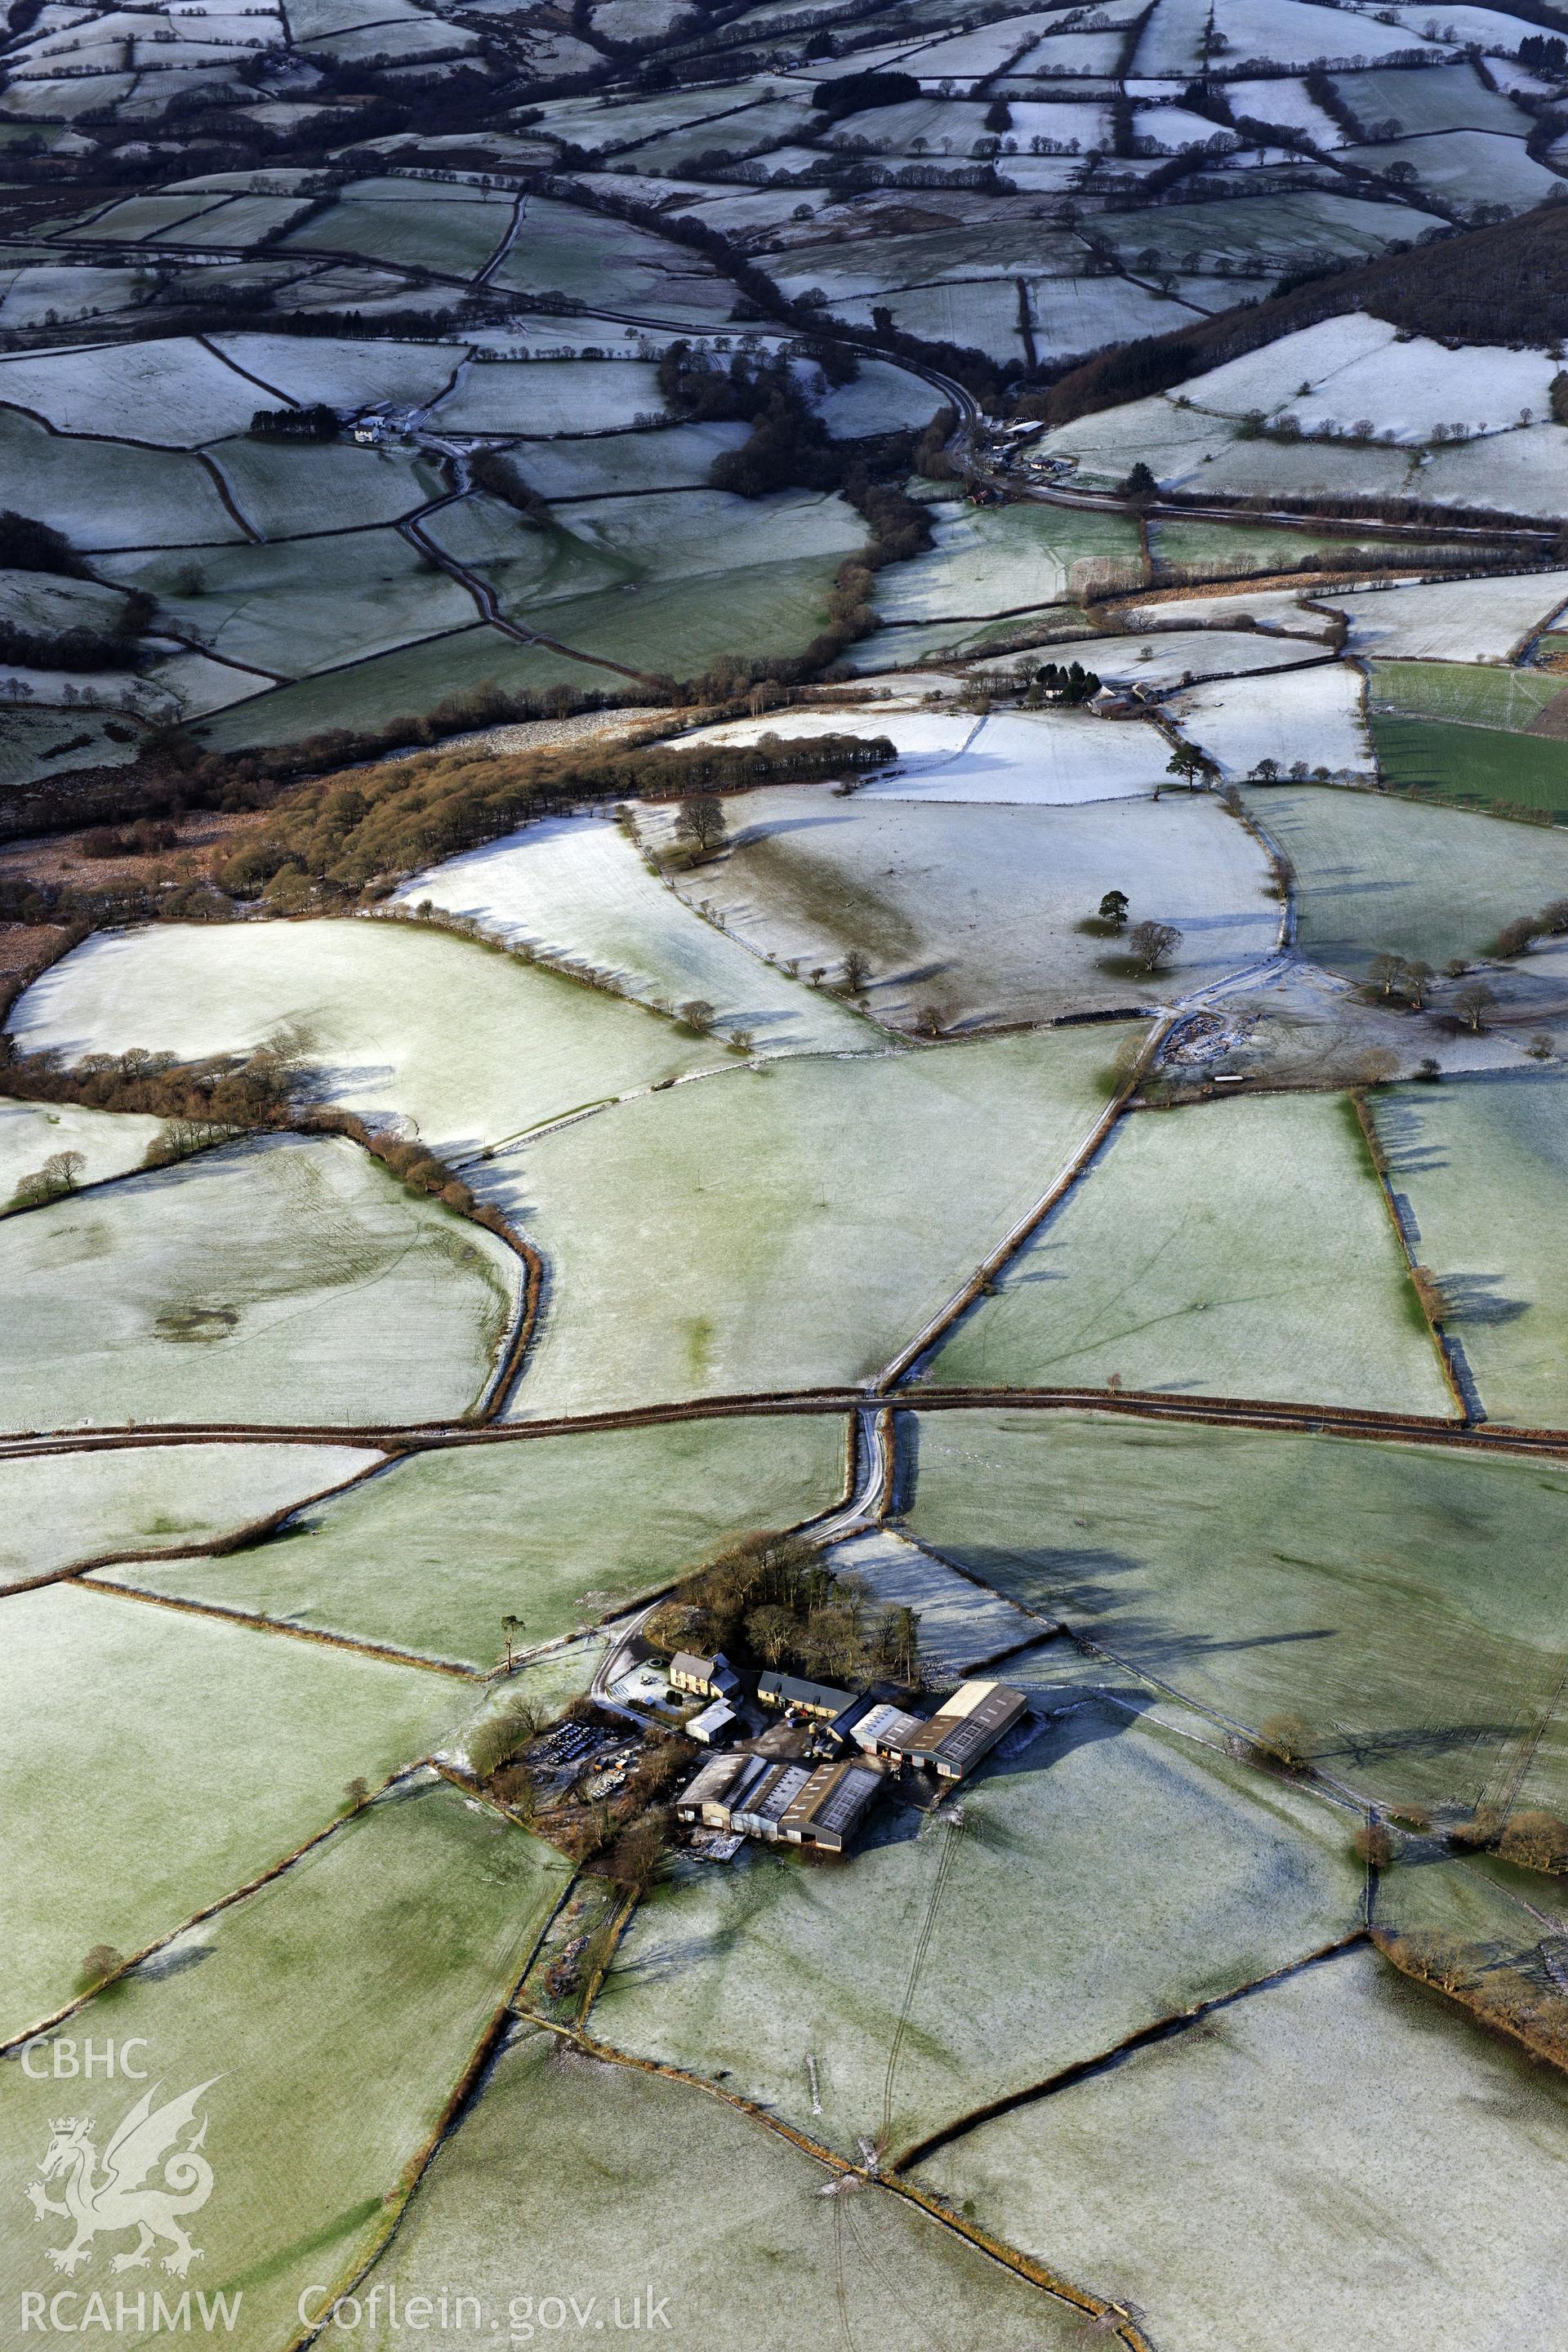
[
  {"x": 977, "y": 1975},
  {"x": 1339, "y": 2066},
  {"x": 389, "y": 1950},
  {"x": 108, "y": 1848},
  {"x": 1413, "y": 1634},
  {"x": 980, "y": 911},
  {"x": 1182, "y": 1266},
  {"x": 1174, "y": 1325},
  {"x": 558, "y": 1533},
  {"x": 274, "y": 1280},
  {"x": 812, "y": 1213},
  {"x": 372, "y": 1009}
]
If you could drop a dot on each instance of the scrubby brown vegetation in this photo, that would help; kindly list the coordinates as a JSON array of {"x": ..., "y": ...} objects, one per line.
[
  {"x": 367, "y": 828},
  {"x": 1498, "y": 1992}
]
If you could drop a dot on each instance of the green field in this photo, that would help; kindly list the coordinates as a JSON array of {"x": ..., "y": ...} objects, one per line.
[
  {"x": 159, "y": 1759},
  {"x": 273, "y": 1281},
  {"x": 575, "y": 2176},
  {"x": 287, "y": 488},
  {"x": 1401, "y": 1602},
  {"x": 1475, "y": 765},
  {"x": 58, "y": 1509},
  {"x": 1375, "y": 874},
  {"x": 327, "y": 2019},
  {"x": 293, "y": 606},
  {"x": 1107, "y": 1877},
  {"x": 787, "y": 1226},
  {"x": 402, "y": 224},
  {"x": 432, "y": 1555},
  {"x": 1472, "y": 694},
  {"x": 401, "y": 685},
  {"x": 1267, "y": 547},
  {"x": 1240, "y": 1249},
  {"x": 1484, "y": 1166},
  {"x": 1339, "y": 2159},
  {"x": 990, "y": 560}
]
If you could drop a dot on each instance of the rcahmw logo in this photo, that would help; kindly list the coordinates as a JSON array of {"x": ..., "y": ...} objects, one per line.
[{"x": 151, "y": 2176}]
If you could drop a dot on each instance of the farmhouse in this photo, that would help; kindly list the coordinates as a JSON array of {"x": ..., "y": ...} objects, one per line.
[
  {"x": 808, "y": 1698},
  {"x": 712, "y": 1678}
]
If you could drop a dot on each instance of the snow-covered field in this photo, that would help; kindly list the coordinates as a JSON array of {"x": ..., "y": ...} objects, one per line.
[
  {"x": 389, "y": 1019},
  {"x": 1041, "y": 758},
  {"x": 1278, "y": 609},
  {"x": 578, "y": 888},
  {"x": 986, "y": 912},
  {"x": 1166, "y": 656},
  {"x": 1315, "y": 714},
  {"x": 108, "y": 1143},
  {"x": 1454, "y": 620}
]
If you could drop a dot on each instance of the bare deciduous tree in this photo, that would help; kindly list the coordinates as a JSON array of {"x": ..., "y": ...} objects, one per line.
[{"x": 1154, "y": 944}]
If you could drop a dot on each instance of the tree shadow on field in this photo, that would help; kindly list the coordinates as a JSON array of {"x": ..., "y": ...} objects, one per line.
[
  {"x": 1477, "y": 1299},
  {"x": 1091, "y": 1591}
]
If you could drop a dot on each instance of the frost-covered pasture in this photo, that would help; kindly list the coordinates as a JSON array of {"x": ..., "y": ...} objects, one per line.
[
  {"x": 300, "y": 489},
  {"x": 578, "y": 888},
  {"x": 173, "y": 394},
  {"x": 103, "y": 1143},
  {"x": 1241, "y": 1249},
  {"x": 986, "y": 560},
  {"x": 272, "y": 1281},
  {"x": 588, "y": 465},
  {"x": 1483, "y": 1166},
  {"x": 963, "y": 1625},
  {"x": 1342, "y": 2072},
  {"x": 1429, "y": 1586},
  {"x": 110, "y": 494},
  {"x": 60, "y": 1511},
  {"x": 544, "y": 397},
  {"x": 984, "y": 911},
  {"x": 1036, "y": 757},
  {"x": 1376, "y": 876},
  {"x": 1454, "y": 620},
  {"x": 791, "y": 1225},
  {"x": 1469, "y": 168},
  {"x": 98, "y": 1691},
  {"x": 391, "y": 1948},
  {"x": 464, "y": 1045},
  {"x": 293, "y": 606},
  {"x": 535, "y": 2140},
  {"x": 1166, "y": 654},
  {"x": 431, "y": 1557}
]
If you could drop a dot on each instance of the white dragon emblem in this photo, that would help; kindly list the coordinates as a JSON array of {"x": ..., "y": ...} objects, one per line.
[{"x": 123, "y": 2198}]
